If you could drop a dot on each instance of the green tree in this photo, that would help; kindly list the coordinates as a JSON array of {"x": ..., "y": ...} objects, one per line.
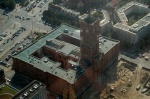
[
  {"x": 57, "y": 1},
  {"x": 146, "y": 1},
  {"x": 10, "y": 4}
]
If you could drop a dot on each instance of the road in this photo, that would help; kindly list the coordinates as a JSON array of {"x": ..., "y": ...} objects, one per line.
[
  {"x": 12, "y": 24},
  {"x": 140, "y": 61}
]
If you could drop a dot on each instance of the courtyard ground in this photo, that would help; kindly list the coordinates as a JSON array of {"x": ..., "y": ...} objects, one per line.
[
  {"x": 134, "y": 17},
  {"x": 6, "y": 92}
]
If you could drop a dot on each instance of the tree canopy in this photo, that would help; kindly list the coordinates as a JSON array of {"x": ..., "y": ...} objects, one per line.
[
  {"x": 57, "y": 1},
  {"x": 9, "y": 4},
  {"x": 146, "y": 1},
  {"x": 56, "y": 19}
]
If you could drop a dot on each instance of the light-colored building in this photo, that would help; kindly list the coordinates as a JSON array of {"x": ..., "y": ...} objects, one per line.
[
  {"x": 135, "y": 32},
  {"x": 63, "y": 10},
  {"x": 105, "y": 23}
]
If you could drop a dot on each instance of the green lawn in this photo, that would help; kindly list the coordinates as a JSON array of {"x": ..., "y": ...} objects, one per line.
[
  {"x": 4, "y": 96},
  {"x": 134, "y": 17},
  {"x": 7, "y": 89},
  {"x": 97, "y": 15}
]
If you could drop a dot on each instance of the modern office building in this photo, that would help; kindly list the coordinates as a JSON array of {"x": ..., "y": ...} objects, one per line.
[
  {"x": 35, "y": 90},
  {"x": 138, "y": 30}
]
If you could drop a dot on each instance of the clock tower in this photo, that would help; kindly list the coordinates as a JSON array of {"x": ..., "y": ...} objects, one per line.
[{"x": 89, "y": 46}]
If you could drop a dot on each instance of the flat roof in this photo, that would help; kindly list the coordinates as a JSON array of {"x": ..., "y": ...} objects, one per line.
[
  {"x": 121, "y": 11},
  {"x": 68, "y": 49},
  {"x": 30, "y": 90},
  {"x": 51, "y": 66},
  {"x": 64, "y": 47},
  {"x": 105, "y": 43},
  {"x": 105, "y": 19},
  {"x": 145, "y": 21}
]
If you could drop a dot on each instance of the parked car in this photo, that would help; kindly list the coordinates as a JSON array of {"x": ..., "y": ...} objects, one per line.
[
  {"x": 7, "y": 58},
  {"x": 4, "y": 64},
  {"x": 146, "y": 58},
  {"x": 138, "y": 87},
  {"x": 1, "y": 50},
  {"x": 28, "y": 18},
  {"x": 144, "y": 90},
  {"x": 148, "y": 93}
]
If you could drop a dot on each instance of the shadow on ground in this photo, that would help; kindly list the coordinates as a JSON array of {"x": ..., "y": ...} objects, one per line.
[{"x": 19, "y": 82}]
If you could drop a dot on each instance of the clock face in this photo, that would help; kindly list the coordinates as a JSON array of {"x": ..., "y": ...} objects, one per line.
[{"x": 87, "y": 31}]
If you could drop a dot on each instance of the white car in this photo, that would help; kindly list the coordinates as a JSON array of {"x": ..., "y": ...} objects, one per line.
[
  {"x": 138, "y": 87},
  {"x": 144, "y": 90},
  {"x": 146, "y": 58},
  {"x": 1, "y": 50}
]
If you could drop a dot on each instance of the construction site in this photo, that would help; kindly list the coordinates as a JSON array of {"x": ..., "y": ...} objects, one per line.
[{"x": 133, "y": 82}]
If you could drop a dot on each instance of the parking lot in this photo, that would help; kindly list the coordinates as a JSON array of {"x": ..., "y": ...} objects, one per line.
[
  {"x": 13, "y": 46},
  {"x": 36, "y": 7}
]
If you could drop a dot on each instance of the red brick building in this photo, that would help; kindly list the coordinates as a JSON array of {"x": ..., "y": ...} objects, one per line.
[{"x": 68, "y": 60}]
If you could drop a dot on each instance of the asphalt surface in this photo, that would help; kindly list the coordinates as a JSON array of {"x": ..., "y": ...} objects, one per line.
[{"x": 12, "y": 24}]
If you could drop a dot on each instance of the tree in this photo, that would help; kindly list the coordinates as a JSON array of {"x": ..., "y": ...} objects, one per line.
[
  {"x": 146, "y": 1},
  {"x": 57, "y": 1},
  {"x": 10, "y": 4}
]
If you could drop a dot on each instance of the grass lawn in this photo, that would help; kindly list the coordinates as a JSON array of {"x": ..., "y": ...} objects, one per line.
[
  {"x": 97, "y": 15},
  {"x": 7, "y": 89},
  {"x": 134, "y": 17},
  {"x": 5, "y": 96}
]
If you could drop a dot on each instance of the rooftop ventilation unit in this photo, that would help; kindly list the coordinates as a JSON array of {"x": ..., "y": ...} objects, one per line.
[
  {"x": 66, "y": 31},
  {"x": 135, "y": 25},
  {"x": 105, "y": 40},
  {"x": 45, "y": 60},
  {"x": 67, "y": 74}
]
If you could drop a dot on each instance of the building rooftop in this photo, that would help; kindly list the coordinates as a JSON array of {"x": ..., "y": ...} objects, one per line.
[
  {"x": 122, "y": 11},
  {"x": 137, "y": 26},
  {"x": 62, "y": 47},
  {"x": 63, "y": 9},
  {"x": 105, "y": 19},
  {"x": 30, "y": 90},
  {"x": 105, "y": 43}
]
